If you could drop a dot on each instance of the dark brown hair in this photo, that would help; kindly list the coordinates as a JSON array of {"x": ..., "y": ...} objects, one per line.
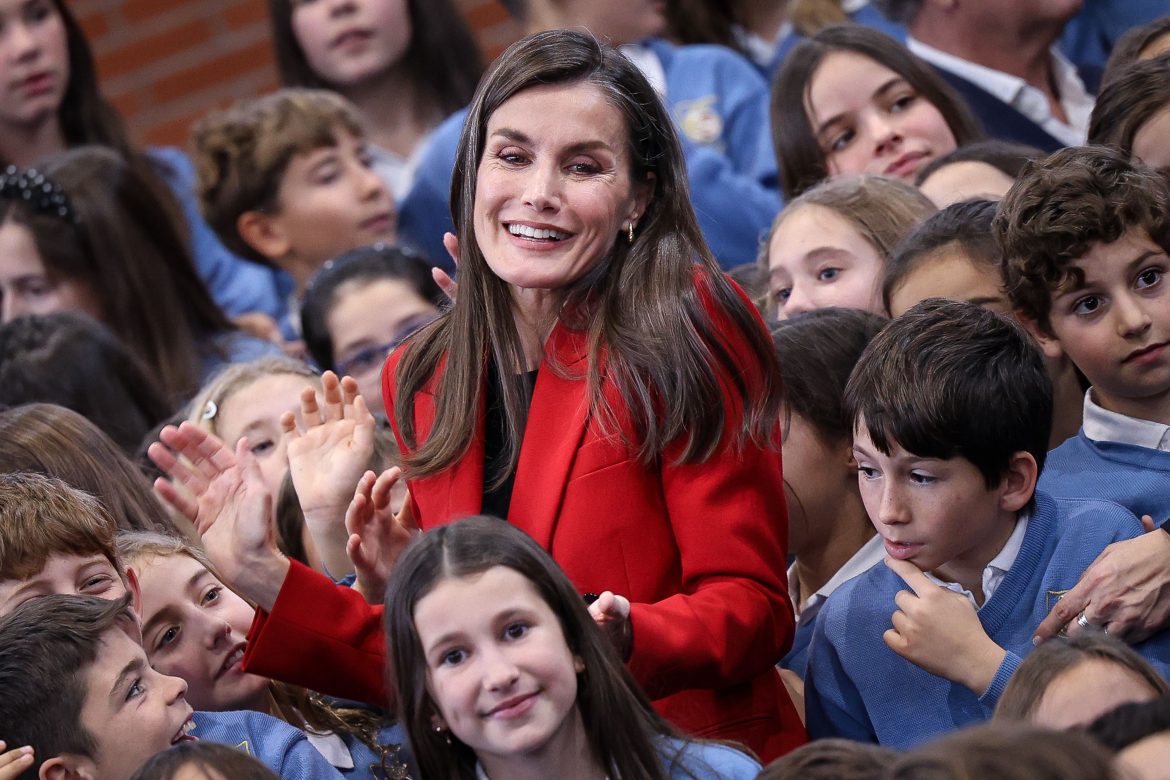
[
  {"x": 950, "y": 379},
  {"x": 1050, "y": 660},
  {"x": 1130, "y": 723},
  {"x": 1129, "y": 47},
  {"x": 49, "y": 645},
  {"x": 966, "y": 224},
  {"x": 1006, "y": 157},
  {"x": 649, "y": 306},
  {"x": 1129, "y": 101},
  {"x": 1006, "y": 752},
  {"x": 620, "y": 725},
  {"x": 818, "y": 351},
  {"x": 42, "y": 516},
  {"x": 801, "y": 158},
  {"x": 213, "y": 760},
  {"x": 58, "y": 442},
  {"x": 832, "y": 759},
  {"x": 442, "y": 60},
  {"x": 1061, "y": 207}
]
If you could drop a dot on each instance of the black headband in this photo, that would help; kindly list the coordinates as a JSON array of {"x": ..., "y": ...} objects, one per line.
[{"x": 37, "y": 191}]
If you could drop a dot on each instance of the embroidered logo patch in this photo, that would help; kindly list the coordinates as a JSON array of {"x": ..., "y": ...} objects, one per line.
[
  {"x": 244, "y": 746},
  {"x": 699, "y": 120},
  {"x": 1051, "y": 597}
]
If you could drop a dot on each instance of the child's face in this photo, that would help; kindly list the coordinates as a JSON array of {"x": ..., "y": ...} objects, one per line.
[
  {"x": 25, "y": 284},
  {"x": 1081, "y": 694},
  {"x": 347, "y": 44},
  {"x": 868, "y": 119},
  {"x": 938, "y": 514},
  {"x": 950, "y": 273},
  {"x": 816, "y": 475},
  {"x": 1151, "y": 142},
  {"x": 329, "y": 201},
  {"x": 82, "y": 575},
  {"x": 498, "y": 668},
  {"x": 367, "y": 320},
  {"x": 1116, "y": 326},
  {"x": 964, "y": 181},
  {"x": 817, "y": 259},
  {"x": 194, "y": 628},
  {"x": 131, "y": 710},
  {"x": 254, "y": 411},
  {"x": 34, "y": 59}
]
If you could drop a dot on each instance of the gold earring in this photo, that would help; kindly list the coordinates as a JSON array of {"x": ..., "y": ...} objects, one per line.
[{"x": 630, "y": 235}]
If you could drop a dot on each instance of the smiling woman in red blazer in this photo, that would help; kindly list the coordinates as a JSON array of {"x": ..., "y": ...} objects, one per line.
[{"x": 600, "y": 384}]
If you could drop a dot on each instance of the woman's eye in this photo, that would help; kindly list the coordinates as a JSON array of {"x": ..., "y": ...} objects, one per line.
[
  {"x": 516, "y": 630},
  {"x": 510, "y": 156},
  {"x": 584, "y": 168},
  {"x": 1087, "y": 305},
  {"x": 1148, "y": 278},
  {"x": 828, "y": 274}
]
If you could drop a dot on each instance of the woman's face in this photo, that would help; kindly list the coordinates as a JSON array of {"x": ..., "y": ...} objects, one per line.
[
  {"x": 367, "y": 320},
  {"x": 868, "y": 119},
  {"x": 195, "y": 628},
  {"x": 554, "y": 190},
  {"x": 25, "y": 284},
  {"x": 818, "y": 259},
  {"x": 34, "y": 62},
  {"x": 1084, "y": 692},
  {"x": 347, "y": 42},
  {"x": 254, "y": 410}
]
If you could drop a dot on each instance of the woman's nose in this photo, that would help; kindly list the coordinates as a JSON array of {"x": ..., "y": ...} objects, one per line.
[{"x": 541, "y": 188}]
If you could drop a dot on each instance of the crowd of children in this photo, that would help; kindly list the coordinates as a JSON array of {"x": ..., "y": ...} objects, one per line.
[{"x": 223, "y": 556}]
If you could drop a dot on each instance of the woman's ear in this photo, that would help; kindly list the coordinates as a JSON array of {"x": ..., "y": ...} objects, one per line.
[
  {"x": 643, "y": 194},
  {"x": 578, "y": 664},
  {"x": 1019, "y": 482}
]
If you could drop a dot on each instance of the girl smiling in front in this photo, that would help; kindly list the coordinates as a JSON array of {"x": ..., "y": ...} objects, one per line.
[
  {"x": 502, "y": 673},
  {"x": 853, "y": 100}
]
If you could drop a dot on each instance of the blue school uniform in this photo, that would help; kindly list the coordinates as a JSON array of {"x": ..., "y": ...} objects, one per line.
[
  {"x": 686, "y": 760},
  {"x": 860, "y": 689},
  {"x": 1138, "y": 478},
  {"x": 866, "y": 16},
  {"x": 720, "y": 106},
  {"x": 293, "y": 754},
  {"x": 1090, "y": 36},
  {"x": 237, "y": 285}
]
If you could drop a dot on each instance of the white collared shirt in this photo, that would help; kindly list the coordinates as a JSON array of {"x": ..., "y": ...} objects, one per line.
[
  {"x": 1103, "y": 425},
  {"x": 996, "y": 569},
  {"x": 870, "y": 553},
  {"x": 1022, "y": 96},
  {"x": 647, "y": 61}
]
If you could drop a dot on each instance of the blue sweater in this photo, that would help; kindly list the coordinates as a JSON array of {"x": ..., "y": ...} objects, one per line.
[
  {"x": 706, "y": 761},
  {"x": 287, "y": 750},
  {"x": 720, "y": 105},
  {"x": 1138, "y": 478},
  {"x": 860, "y": 689}
]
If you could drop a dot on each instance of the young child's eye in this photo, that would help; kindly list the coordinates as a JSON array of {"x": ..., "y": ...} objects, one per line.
[
  {"x": 212, "y": 595},
  {"x": 1148, "y": 278},
  {"x": 902, "y": 102},
  {"x": 782, "y": 294},
  {"x": 167, "y": 638},
  {"x": 136, "y": 689},
  {"x": 922, "y": 479},
  {"x": 516, "y": 630},
  {"x": 99, "y": 583},
  {"x": 452, "y": 658},
  {"x": 1086, "y": 305},
  {"x": 868, "y": 472},
  {"x": 263, "y": 447},
  {"x": 840, "y": 141},
  {"x": 828, "y": 274}
]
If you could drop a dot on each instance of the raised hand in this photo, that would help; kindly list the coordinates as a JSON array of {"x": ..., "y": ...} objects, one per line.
[
  {"x": 193, "y": 458},
  {"x": 448, "y": 285},
  {"x": 326, "y": 457},
  {"x": 377, "y": 536},
  {"x": 612, "y": 613},
  {"x": 13, "y": 763},
  {"x": 939, "y": 631}
]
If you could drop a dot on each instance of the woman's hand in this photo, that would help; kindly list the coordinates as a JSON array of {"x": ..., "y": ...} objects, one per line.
[
  {"x": 376, "y": 535},
  {"x": 14, "y": 762},
  {"x": 229, "y": 505},
  {"x": 326, "y": 458},
  {"x": 939, "y": 631},
  {"x": 612, "y": 613}
]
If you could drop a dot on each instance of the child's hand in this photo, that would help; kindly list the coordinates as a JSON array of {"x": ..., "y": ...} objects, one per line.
[
  {"x": 192, "y": 458},
  {"x": 448, "y": 285},
  {"x": 612, "y": 613},
  {"x": 14, "y": 762},
  {"x": 376, "y": 535},
  {"x": 326, "y": 457},
  {"x": 940, "y": 632}
]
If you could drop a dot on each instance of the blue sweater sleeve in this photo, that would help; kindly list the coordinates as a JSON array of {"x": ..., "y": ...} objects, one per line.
[
  {"x": 833, "y": 704},
  {"x": 282, "y": 748}
]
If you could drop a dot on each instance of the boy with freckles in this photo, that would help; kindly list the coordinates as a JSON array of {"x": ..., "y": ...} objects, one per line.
[{"x": 951, "y": 406}]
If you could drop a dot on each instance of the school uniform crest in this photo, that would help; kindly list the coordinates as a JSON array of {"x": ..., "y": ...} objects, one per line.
[{"x": 699, "y": 120}]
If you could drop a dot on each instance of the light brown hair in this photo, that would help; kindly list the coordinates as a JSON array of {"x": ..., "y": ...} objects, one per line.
[{"x": 204, "y": 407}]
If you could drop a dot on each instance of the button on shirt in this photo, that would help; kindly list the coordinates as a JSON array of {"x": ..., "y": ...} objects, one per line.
[
  {"x": 996, "y": 569},
  {"x": 1022, "y": 96},
  {"x": 1103, "y": 425}
]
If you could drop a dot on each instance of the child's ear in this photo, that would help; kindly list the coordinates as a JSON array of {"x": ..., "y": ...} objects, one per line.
[
  {"x": 1049, "y": 344},
  {"x": 68, "y": 767},
  {"x": 135, "y": 590},
  {"x": 1019, "y": 482},
  {"x": 264, "y": 233}
]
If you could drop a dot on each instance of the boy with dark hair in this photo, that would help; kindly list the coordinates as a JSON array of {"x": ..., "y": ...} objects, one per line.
[
  {"x": 79, "y": 690},
  {"x": 952, "y": 406},
  {"x": 1084, "y": 236}
]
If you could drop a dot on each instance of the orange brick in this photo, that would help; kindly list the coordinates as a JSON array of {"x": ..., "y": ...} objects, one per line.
[
  {"x": 222, "y": 68},
  {"x": 145, "y": 51},
  {"x": 127, "y": 104},
  {"x": 138, "y": 11},
  {"x": 486, "y": 15},
  {"x": 172, "y": 133},
  {"x": 95, "y": 25},
  {"x": 247, "y": 13}
]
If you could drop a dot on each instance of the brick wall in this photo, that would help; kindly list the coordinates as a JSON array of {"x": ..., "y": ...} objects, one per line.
[{"x": 165, "y": 62}]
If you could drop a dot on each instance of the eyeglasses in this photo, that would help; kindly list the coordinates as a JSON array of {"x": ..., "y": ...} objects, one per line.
[{"x": 371, "y": 358}]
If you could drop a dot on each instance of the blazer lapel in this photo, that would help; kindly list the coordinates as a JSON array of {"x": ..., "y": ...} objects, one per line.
[
  {"x": 455, "y": 492},
  {"x": 554, "y": 431}
]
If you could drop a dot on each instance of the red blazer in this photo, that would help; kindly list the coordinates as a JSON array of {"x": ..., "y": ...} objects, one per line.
[{"x": 699, "y": 550}]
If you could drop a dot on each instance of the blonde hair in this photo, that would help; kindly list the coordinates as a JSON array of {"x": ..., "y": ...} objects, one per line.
[
  {"x": 884, "y": 211},
  {"x": 242, "y": 152},
  {"x": 204, "y": 407}
]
